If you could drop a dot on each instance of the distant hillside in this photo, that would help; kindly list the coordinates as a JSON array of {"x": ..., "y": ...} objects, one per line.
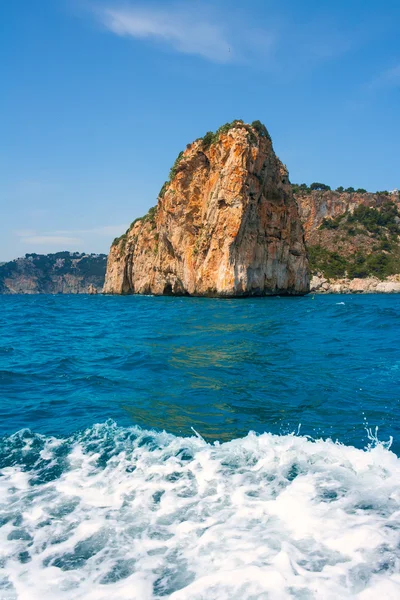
[
  {"x": 351, "y": 233},
  {"x": 59, "y": 273}
]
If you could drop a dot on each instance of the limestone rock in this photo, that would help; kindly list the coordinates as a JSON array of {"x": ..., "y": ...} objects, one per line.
[
  {"x": 369, "y": 285},
  {"x": 92, "y": 291},
  {"x": 388, "y": 287},
  {"x": 362, "y": 285},
  {"x": 318, "y": 283},
  {"x": 226, "y": 224}
]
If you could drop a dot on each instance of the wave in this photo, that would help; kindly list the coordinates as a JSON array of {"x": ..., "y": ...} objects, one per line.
[{"x": 123, "y": 513}]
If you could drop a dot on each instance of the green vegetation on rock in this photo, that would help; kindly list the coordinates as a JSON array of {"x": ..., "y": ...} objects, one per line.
[
  {"x": 174, "y": 169},
  {"x": 149, "y": 217},
  {"x": 211, "y": 138},
  {"x": 335, "y": 266},
  {"x": 320, "y": 187},
  {"x": 380, "y": 260},
  {"x": 373, "y": 219}
]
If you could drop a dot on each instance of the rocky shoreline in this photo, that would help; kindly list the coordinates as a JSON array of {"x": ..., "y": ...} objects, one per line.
[{"x": 369, "y": 285}]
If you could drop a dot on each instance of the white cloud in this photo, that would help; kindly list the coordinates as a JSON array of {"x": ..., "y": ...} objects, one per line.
[
  {"x": 185, "y": 27},
  {"x": 273, "y": 41},
  {"x": 51, "y": 240}
]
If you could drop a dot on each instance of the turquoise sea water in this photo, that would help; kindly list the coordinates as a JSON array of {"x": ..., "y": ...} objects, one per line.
[{"x": 128, "y": 466}]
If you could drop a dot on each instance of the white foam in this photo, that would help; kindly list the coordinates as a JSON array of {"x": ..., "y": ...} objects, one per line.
[{"x": 148, "y": 516}]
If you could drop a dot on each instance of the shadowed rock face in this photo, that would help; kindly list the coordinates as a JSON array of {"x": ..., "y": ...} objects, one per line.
[{"x": 225, "y": 225}]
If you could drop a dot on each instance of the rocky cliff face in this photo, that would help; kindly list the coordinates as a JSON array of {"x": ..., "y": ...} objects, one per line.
[
  {"x": 315, "y": 206},
  {"x": 59, "y": 273},
  {"x": 226, "y": 224},
  {"x": 352, "y": 236}
]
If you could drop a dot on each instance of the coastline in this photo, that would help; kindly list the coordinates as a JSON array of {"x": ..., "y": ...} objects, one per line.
[{"x": 368, "y": 285}]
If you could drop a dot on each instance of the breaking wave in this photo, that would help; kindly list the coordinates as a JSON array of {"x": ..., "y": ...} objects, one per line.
[{"x": 118, "y": 513}]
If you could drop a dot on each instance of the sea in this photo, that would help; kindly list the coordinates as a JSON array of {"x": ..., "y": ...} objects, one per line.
[{"x": 199, "y": 449}]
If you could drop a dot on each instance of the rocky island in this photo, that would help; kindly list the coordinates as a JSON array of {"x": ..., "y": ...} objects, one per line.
[
  {"x": 226, "y": 225},
  {"x": 58, "y": 273}
]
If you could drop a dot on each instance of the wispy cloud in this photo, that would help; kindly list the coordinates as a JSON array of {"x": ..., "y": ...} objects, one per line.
[
  {"x": 187, "y": 28},
  {"x": 106, "y": 230},
  {"x": 67, "y": 236},
  {"x": 388, "y": 78},
  {"x": 50, "y": 240},
  {"x": 271, "y": 41}
]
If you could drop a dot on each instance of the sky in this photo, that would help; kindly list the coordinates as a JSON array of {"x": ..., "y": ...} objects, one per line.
[{"x": 98, "y": 98}]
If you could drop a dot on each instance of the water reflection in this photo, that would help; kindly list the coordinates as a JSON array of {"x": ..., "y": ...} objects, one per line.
[{"x": 228, "y": 368}]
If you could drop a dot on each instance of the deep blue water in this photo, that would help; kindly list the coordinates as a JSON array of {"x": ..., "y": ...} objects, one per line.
[
  {"x": 107, "y": 493},
  {"x": 224, "y": 367}
]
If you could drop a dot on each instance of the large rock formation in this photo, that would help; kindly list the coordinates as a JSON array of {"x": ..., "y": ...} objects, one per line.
[
  {"x": 58, "y": 273},
  {"x": 226, "y": 224}
]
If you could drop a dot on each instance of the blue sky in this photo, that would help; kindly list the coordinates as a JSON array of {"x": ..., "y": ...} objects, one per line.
[{"x": 98, "y": 97}]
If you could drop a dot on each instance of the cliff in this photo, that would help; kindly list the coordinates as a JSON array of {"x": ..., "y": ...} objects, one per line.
[
  {"x": 352, "y": 236},
  {"x": 59, "y": 273},
  {"x": 226, "y": 224}
]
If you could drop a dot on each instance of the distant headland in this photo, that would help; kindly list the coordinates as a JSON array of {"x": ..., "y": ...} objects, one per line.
[{"x": 58, "y": 273}]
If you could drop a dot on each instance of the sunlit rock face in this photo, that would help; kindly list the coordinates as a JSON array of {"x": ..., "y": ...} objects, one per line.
[{"x": 226, "y": 224}]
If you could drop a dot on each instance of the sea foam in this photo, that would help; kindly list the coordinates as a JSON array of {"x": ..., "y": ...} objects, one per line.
[{"x": 118, "y": 514}]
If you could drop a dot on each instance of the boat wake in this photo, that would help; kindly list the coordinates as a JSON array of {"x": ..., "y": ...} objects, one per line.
[{"x": 118, "y": 513}]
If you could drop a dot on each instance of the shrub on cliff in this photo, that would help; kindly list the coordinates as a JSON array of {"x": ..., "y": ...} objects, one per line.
[
  {"x": 211, "y": 138},
  {"x": 334, "y": 266},
  {"x": 331, "y": 223},
  {"x": 121, "y": 238},
  {"x": 163, "y": 189},
  {"x": 208, "y": 139},
  {"x": 376, "y": 264},
  {"x": 320, "y": 187},
  {"x": 151, "y": 214},
  {"x": 172, "y": 172},
  {"x": 261, "y": 129},
  {"x": 374, "y": 219},
  {"x": 330, "y": 263},
  {"x": 174, "y": 169},
  {"x": 300, "y": 188}
]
